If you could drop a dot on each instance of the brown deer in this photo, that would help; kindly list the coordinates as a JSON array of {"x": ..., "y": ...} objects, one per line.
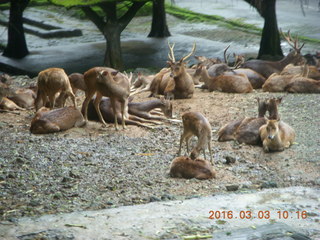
[
  {"x": 137, "y": 113},
  {"x": 276, "y": 135},
  {"x": 246, "y": 130},
  {"x": 312, "y": 71},
  {"x": 23, "y": 97},
  {"x": 266, "y": 68},
  {"x": 277, "y": 82},
  {"x": 256, "y": 79},
  {"x": 180, "y": 85},
  {"x": 50, "y": 82},
  {"x": 303, "y": 85},
  {"x": 195, "y": 124},
  {"x": 107, "y": 82},
  {"x": 60, "y": 119},
  {"x": 141, "y": 84},
  {"x": 185, "y": 167},
  {"x": 77, "y": 82},
  {"x": 233, "y": 83}
]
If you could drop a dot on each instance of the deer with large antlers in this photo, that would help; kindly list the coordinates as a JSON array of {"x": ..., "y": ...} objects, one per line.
[
  {"x": 180, "y": 85},
  {"x": 266, "y": 68}
]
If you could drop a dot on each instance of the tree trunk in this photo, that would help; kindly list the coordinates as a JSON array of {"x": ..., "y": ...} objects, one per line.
[
  {"x": 270, "y": 39},
  {"x": 16, "y": 46},
  {"x": 113, "y": 55},
  {"x": 159, "y": 27}
]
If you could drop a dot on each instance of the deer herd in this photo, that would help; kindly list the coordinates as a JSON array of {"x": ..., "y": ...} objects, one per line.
[{"x": 109, "y": 99}]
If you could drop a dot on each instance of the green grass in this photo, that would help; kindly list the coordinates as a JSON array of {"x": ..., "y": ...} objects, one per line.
[{"x": 239, "y": 24}]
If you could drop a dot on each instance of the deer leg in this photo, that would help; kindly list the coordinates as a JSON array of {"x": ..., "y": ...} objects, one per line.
[
  {"x": 96, "y": 104},
  {"x": 52, "y": 100},
  {"x": 204, "y": 153},
  {"x": 73, "y": 97},
  {"x": 85, "y": 104},
  {"x": 181, "y": 141},
  {"x": 210, "y": 151},
  {"x": 113, "y": 105},
  {"x": 123, "y": 111}
]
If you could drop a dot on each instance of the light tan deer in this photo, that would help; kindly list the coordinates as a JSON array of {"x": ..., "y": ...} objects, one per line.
[
  {"x": 276, "y": 135},
  {"x": 23, "y": 97},
  {"x": 195, "y": 124},
  {"x": 49, "y": 121},
  {"x": 180, "y": 85},
  {"x": 233, "y": 83},
  {"x": 303, "y": 85},
  {"x": 277, "y": 82},
  {"x": 266, "y": 68},
  {"x": 8, "y": 105},
  {"x": 107, "y": 82},
  {"x": 312, "y": 71},
  {"x": 185, "y": 167},
  {"x": 50, "y": 82}
]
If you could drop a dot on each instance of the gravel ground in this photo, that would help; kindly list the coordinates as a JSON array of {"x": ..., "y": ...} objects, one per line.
[{"x": 95, "y": 168}]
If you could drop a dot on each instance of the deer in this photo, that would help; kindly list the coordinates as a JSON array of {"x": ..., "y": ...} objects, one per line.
[
  {"x": 136, "y": 114},
  {"x": 234, "y": 83},
  {"x": 159, "y": 82},
  {"x": 107, "y": 82},
  {"x": 246, "y": 130},
  {"x": 180, "y": 85},
  {"x": 276, "y": 135},
  {"x": 185, "y": 167},
  {"x": 50, "y": 82},
  {"x": 195, "y": 124},
  {"x": 277, "y": 83},
  {"x": 60, "y": 119},
  {"x": 312, "y": 71},
  {"x": 23, "y": 97},
  {"x": 303, "y": 85},
  {"x": 8, "y": 105},
  {"x": 266, "y": 68},
  {"x": 141, "y": 84}
]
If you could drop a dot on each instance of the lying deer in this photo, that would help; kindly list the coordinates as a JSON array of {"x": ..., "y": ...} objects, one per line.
[
  {"x": 312, "y": 71},
  {"x": 303, "y": 85},
  {"x": 233, "y": 83},
  {"x": 141, "y": 84},
  {"x": 185, "y": 167},
  {"x": 50, "y": 82},
  {"x": 246, "y": 130},
  {"x": 266, "y": 68},
  {"x": 195, "y": 124},
  {"x": 49, "y": 121},
  {"x": 277, "y": 82},
  {"x": 137, "y": 113},
  {"x": 182, "y": 85},
  {"x": 276, "y": 135},
  {"x": 9, "y": 105},
  {"x": 107, "y": 82},
  {"x": 23, "y": 97}
]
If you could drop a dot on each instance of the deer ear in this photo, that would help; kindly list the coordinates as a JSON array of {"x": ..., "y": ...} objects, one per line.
[{"x": 114, "y": 73}]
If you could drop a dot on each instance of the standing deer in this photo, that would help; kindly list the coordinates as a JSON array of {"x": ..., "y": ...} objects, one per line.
[
  {"x": 107, "y": 82},
  {"x": 180, "y": 85},
  {"x": 276, "y": 135},
  {"x": 185, "y": 167},
  {"x": 50, "y": 82},
  {"x": 195, "y": 124},
  {"x": 266, "y": 68}
]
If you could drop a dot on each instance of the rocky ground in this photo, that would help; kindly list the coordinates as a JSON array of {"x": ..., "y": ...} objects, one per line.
[{"x": 95, "y": 168}]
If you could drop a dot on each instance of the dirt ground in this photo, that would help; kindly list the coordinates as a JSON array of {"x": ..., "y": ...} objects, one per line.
[{"x": 95, "y": 167}]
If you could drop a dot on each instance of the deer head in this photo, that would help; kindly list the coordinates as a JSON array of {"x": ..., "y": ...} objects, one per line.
[
  {"x": 177, "y": 67},
  {"x": 295, "y": 55}
]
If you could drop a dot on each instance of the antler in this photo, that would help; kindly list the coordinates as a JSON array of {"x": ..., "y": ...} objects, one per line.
[
  {"x": 192, "y": 52},
  {"x": 292, "y": 42},
  {"x": 171, "y": 54},
  {"x": 226, "y": 58}
]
